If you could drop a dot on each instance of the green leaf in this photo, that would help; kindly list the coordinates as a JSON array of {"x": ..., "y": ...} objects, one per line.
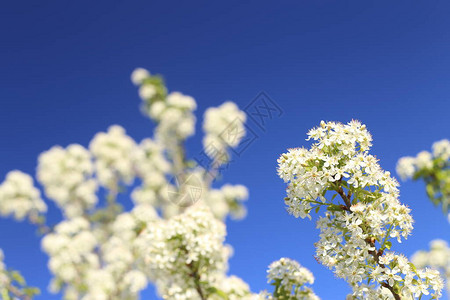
[
  {"x": 430, "y": 190},
  {"x": 17, "y": 277},
  {"x": 334, "y": 207},
  {"x": 413, "y": 267},
  {"x": 388, "y": 245},
  {"x": 317, "y": 209},
  {"x": 220, "y": 293},
  {"x": 5, "y": 294},
  {"x": 31, "y": 291}
]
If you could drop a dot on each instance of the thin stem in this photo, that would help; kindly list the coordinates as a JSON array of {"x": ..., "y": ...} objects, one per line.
[
  {"x": 211, "y": 174},
  {"x": 387, "y": 235},
  {"x": 40, "y": 223},
  {"x": 17, "y": 293},
  {"x": 317, "y": 202},
  {"x": 177, "y": 156},
  {"x": 194, "y": 274},
  {"x": 344, "y": 197},
  {"x": 386, "y": 285}
]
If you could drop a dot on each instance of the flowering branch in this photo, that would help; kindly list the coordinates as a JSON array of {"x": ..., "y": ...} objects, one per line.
[
  {"x": 99, "y": 251},
  {"x": 437, "y": 257},
  {"x": 370, "y": 214},
  {"x": 370, "y": 241},
  {"x": 174, "y": 234},
  {"x": 434, "y": 169},
  {"x": 196, "y": 276},
  {"x": 16, "y": 293},
  {"x": 290, "y": 280},
  {"x": 13, "y": 285}
]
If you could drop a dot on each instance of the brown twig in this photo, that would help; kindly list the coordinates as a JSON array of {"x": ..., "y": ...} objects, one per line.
[
  {"x": 194, "y": 274},
  {"x": 17, "y": 293},
  {"x": 371, "y": 242}
]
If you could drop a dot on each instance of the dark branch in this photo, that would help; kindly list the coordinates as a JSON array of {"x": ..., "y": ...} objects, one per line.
[
  {"x": 371, "y": 242},
  {"x": 194, "y": 274}
]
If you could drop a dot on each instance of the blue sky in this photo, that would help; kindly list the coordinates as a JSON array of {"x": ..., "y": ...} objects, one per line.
[{"x": 64, "y": 75}]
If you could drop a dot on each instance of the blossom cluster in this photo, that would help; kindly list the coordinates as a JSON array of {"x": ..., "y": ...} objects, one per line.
[
  {"x": 12, "y": 284},
  {"x": 99, "y": 263},
  {"x": 113, "y": 151},
  {"x": 19, "y": 197},
  {"x": 290, "y": 279},
  {"x": 174, "y": 234},
  {"x": 152, "y": 167},
  {"x": 121, "y": 274},
  {"x": 168, "y": 171},
  {"x": 67, "y": 177},
  {"x": 71, "y": 248},
  {"x": 173, "y": 112},
  {"x": 224, "y": 128},
  {"x": 185, "y": 255},
  {"x": 363, "y": 213},
  {"x": 434, "y": 169},
  {"x": 227, "y": 200},
  {"x": 99, "y": 251},
  {"x": 438, "y": 258}
]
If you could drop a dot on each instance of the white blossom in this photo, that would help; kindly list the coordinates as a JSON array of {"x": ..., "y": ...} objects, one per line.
[
  {"x": 433, "y": 169},
  {"x": 227, "y": 201},
  {"x": 186, "y": 253},
  {"x": 156, "y": 110},
  {"x": 176, "y": 120},
  {"x": 71, "y": 249},
  {"x": 99, "y": 250},
  {"x": 19, "y": 197},
  {"x": 139, "y": 75},
  {"x": 358, "y": 227},
  {"x": 437, "y": 258},
  {"x": 424, "y": 160},
  {"x": 152, "y": 167},
  {"x": 147, "y": 91},
  {"x": 113, "y": 152},
  {"x": 441, "y": 149},
  {"x": 67, "y": 175},
  {"x": 224, "y": 128},
  {"x": 290, "y": 279},
  {"x": 234, "y": 287},
  {"x": 136, "y": 280},
  {"x": 406, "y": 167}
]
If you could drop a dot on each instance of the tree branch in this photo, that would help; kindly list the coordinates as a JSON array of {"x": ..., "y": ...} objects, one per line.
[
  {"x": 376, "y": 254},
  {"x": 17, "y": 293},
  {"x": 194, "y": 274},
  {"x": 344, "y": 197}
]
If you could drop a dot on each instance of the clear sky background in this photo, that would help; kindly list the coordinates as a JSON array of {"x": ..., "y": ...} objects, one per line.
[{"x": 64, "y": 75}]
